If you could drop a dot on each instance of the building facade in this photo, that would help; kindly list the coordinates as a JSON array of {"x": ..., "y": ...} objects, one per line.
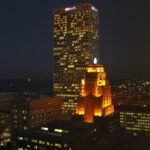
[
  {"x": 5, "y": 105},
  {"x": 95, "y": 103},
  {"x": 95, "y": 94},
  {"x": 28, "y": 113},
  {"x": 58, "y": 135},
  {"x": 76, "y": 42},
  {"x": 5, "y": 133},
  {"x": 135, "y": 119}
]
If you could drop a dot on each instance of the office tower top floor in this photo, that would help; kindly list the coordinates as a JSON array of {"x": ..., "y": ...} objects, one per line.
[{"x": 75, "y": 44}]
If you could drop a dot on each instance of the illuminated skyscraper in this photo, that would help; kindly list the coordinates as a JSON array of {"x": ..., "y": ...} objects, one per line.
[
  {"x": 95, "y": 95},
  {"x": 76, "y": 42}
]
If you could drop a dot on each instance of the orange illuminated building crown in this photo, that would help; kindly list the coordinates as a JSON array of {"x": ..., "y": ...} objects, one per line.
[{"x": 95, "y": 94}]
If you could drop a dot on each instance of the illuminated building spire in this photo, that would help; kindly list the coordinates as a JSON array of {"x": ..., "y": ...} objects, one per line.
[{"x": 95, "y": 94}]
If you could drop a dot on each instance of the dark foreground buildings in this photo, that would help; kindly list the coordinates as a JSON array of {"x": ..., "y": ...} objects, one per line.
[
  {"x": 29, "y": 112},
  {"x": 58, "y": 135}
]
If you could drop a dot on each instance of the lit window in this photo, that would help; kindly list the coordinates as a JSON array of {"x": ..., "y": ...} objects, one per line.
[
  {"x": 57, "y": 145},
  {"x": 20, "y": 138},
  {"x": 44, "y": 128}
]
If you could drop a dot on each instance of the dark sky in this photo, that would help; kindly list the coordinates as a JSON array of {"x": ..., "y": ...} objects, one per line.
[{"x": 26, "y": 31}]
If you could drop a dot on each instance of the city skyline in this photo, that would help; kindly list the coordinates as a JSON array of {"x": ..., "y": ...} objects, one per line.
[
  {"x": 74, "y": 75},
  {"x": 26, "y": 31}
]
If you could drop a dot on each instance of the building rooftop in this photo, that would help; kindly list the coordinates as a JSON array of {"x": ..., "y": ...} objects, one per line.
[
  {"x": 76, "y": 7},
  {"x": 58, "y": 130},
  {"x": 135, "y": 107}
]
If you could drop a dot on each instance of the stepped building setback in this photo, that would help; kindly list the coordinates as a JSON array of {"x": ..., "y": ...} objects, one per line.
[{"x": 95, "y": 94}]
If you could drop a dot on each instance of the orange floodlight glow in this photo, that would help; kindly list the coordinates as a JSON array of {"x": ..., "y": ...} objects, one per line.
[{"x": 95, "y": 97}]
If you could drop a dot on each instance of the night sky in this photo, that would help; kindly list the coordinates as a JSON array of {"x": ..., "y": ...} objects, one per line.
[{"x": 26, "y": 31}]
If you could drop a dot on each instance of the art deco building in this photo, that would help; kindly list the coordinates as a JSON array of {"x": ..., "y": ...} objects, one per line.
[
  {"x": 76, "y": 36},
  {"x": 95, "y": 95}
]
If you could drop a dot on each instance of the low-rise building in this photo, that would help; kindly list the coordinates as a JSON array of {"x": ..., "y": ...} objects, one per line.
[
  {"x": 28, "y": 113},
  {"x": 135, "y": 119},
  {"x": 60, "y": 134}
]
